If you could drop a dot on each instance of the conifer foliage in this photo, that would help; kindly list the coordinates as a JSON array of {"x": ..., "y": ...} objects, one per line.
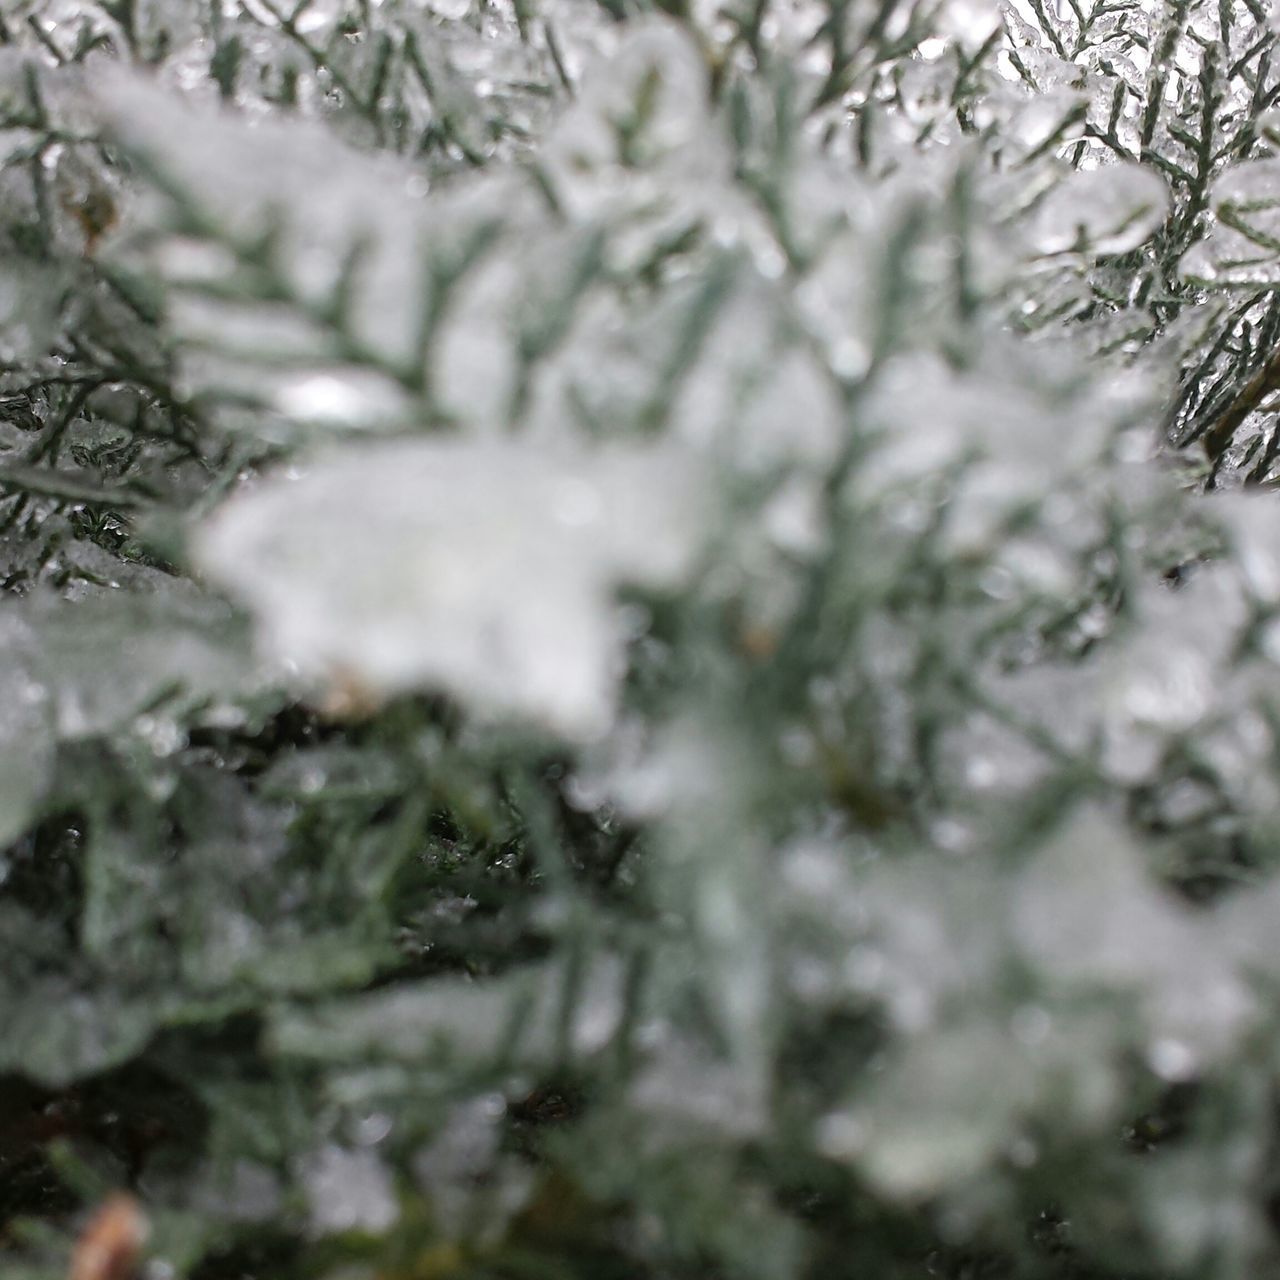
[{"x": 640, "y": 640}]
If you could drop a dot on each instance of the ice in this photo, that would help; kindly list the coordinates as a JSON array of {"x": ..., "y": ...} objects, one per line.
[
  {"x": 167, "y": 651},
  {"x": 1198, "y": 1205},
  {"x": 331, "y": 207},
  {"x": 456, "y": 1020},
  {"x": 689, "y": 1088},
  {"x": 1254, "y": 526},
  {"x": 456, "y": 1170},
  {"x": 92, "y": 668},
  {"x": 945, "y": 1106},
  {"x": 641, "y": 147},
  {"x": 1166, "y": 676},
  {"x": 483, "y": 568},
  {"x": 991, "y": 425},
  {"x": 1087, "y": 913},
  {"x": 1240, "y": 245},
  {"x": 643, "y": 109},
  {"x": 1086, "y": 909},
  {"x": 924, "y": 919},
  {"x": 625, "y": 375},
  {"x": 94, "y": 1030},
  {"x": 474, "y": 360},
  {"x": 757, "y": 397},
  {"x": 26, "y": 738},
  {"x": 1107, "y": 210},
  {"x": 969, "y": 22},
  {"x": 933, "y": 1117},
  {"x": 243, "y": 1191},
  {"x": 348, "y": 1191},
  {"x": 340, "y": 397}
]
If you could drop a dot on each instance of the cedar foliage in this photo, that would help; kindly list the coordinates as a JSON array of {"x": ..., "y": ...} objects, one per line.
[{"x": 640, "y": 639}]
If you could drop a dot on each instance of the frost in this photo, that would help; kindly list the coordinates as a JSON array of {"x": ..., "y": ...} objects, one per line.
[{"x": 486, "y": 569}]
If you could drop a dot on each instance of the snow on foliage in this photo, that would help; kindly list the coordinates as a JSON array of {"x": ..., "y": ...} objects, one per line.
[{"x": 641, "y": 640}]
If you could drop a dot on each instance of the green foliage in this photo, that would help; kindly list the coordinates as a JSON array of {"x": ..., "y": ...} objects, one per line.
[{"x": 640, "y": 641}]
